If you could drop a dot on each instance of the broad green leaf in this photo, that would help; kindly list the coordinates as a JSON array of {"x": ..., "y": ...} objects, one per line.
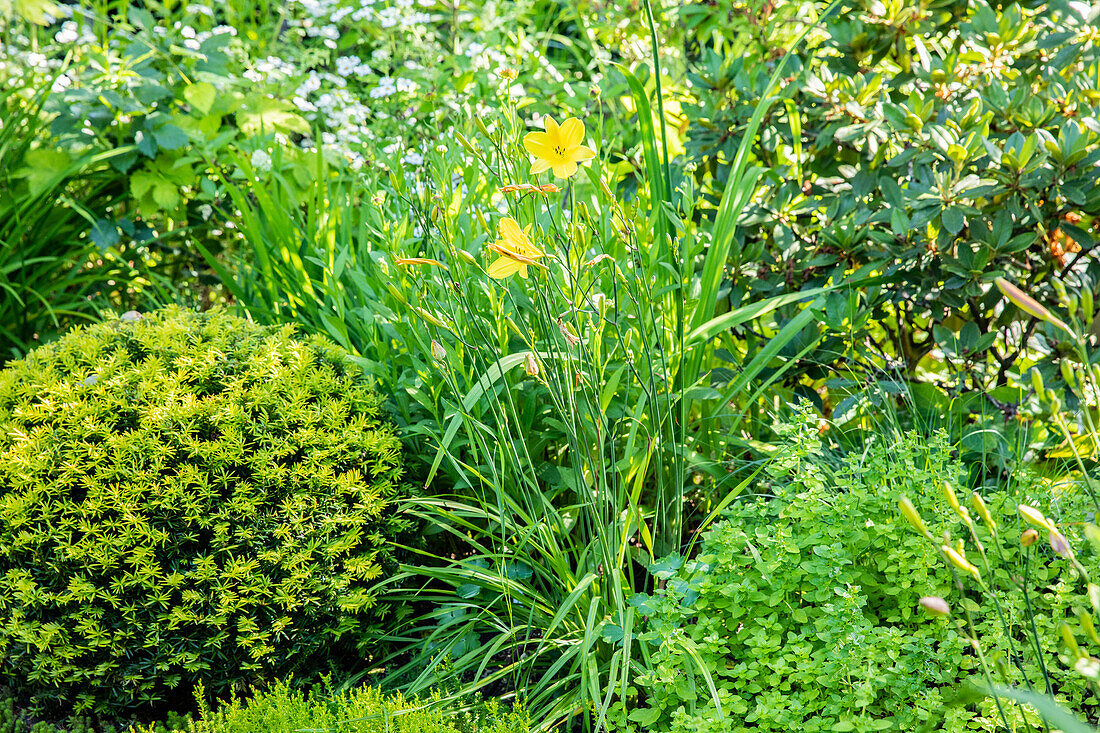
[
  {"x": 262, "y": 115},
  {"x": 201, "y": 96},
  {"x": 43, "y": 167}
]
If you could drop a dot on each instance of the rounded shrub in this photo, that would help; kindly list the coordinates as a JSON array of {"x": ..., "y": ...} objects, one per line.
[{"x": 187, "y": 497}]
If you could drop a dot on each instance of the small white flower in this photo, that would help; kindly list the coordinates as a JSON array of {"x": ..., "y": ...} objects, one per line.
[
  {"x": 261, "y": 161},
  {"x": 413, "y": 159}
]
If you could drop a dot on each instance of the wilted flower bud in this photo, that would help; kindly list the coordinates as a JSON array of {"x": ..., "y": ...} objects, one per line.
[
  {"x": 1029, "y": 537},
  {"x": 378, "y": 199},
  {"x": 595, "y": 90},
  {"x": 1059, "y": 544},
  {"x": 438, "y": 352},
  {"x": 531, "y": 365},
  {"x": 569, "y": 333},
  {"x": 935, "y": 605}
]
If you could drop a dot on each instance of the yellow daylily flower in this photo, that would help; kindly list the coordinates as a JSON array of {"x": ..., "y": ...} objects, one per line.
[
  {"x": 515, "y": 249},
  {"x": 558, "y": 148}
]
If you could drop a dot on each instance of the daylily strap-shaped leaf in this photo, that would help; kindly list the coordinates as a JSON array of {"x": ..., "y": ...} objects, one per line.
[
  {"x": 559, "y": 148},
  {"x": 515, "y": 249}
]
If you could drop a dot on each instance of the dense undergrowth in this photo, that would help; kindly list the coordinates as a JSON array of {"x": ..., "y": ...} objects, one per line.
[{"x": 645, "y": 366}]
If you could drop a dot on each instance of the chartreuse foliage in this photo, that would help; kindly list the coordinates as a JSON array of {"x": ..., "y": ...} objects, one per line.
[
  {"x": 186, "y": 497},
  {"x": 283, "y": 709},
  {"x": 802, "y": 605}
]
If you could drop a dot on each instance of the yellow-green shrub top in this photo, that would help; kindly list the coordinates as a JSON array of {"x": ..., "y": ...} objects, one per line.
[{"x": 186, "y": 497}]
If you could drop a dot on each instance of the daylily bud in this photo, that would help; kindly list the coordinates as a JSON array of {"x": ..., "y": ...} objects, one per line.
[
  {"x": 949, "y": 494},
  {"x": 530, "y": 365},
  {"x": 606, "y": 191},
  {"x": 1067, "y": 372},
  {"x": 1059, "y": 544},
  {"x": 1094, "y": 596},
  {"x": 983, "y": 511},
  {"x": 1060, "y": 290},
  {"x": 397, "y": 295},
  {"x": 429, "y": 317},
  {"x": 1087, "y": 305},
  {"x": 1069, "y": 640},
  {"x": 481, "y": 126},
  {"x": 935, "y": 605},
  {"x": 1034, "y": 517},
  {"x": 438, "y": 352},
  {"x": 1029, "y": 305},
  {"x": 1029, "y": 537},
  {"x": 1037, "y": 383},
  {"x": 1089, "y": 628},
  {"x": 957, "y": 559},
  {"x": 910, "y": 513},
  {"x": 1055, "y": 404},
  {"x": 463, "y": 141}
]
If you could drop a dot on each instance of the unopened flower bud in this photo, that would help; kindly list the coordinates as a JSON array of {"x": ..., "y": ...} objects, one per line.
[
  {"x": 1069, "y": 640},
  {"x": 910, "y": 513},
  {"x": 438, "y": 352},
  {"x": 949, "y": 494},
  {"x": 595, "y": 90},
  {"x": 1034, "y": 517},
  {"x": 983, "y": 512},
  {"x": 1037, "y": 384},
  {"x": 1088, "y": 626},
  {"x": 959, "y": 560},
  {"x": 1067, "y": 372},
  {"x": 1029, "y": 537},
  {"x": 935, "y": 605}
]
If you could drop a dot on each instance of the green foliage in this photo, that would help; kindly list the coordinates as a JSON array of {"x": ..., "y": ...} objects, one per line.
[
  {"x": 14, "y": 719},
  {"x": 889, "y": 153},
  {"x": 52, "y": 274},
  {"x": 186, "y": 497},
  {"x": 802, "y": 605},
  {"x": 282, "y": 709}
]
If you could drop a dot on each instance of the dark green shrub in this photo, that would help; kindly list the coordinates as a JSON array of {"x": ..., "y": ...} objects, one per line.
[
  {"x": 363, "y": 710},
  {"x": 803, "y": 605},
  {"x": 942, "y": 144},
  {"x": 186, "y": 497}
]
